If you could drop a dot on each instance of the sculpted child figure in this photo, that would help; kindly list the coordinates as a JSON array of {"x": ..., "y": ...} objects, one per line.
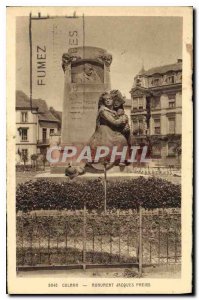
[{"x": 112, "y": 129}]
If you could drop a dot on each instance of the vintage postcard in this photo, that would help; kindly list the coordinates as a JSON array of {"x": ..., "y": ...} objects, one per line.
[{"x": 99, "y": 150}]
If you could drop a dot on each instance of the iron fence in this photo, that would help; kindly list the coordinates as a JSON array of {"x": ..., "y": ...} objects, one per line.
[
  {"x": 80, "y": 238},
  {"x": 158, "y": 170}
]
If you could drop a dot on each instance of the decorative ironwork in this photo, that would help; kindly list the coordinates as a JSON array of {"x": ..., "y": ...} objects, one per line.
[{"x": 81, "y": 238}]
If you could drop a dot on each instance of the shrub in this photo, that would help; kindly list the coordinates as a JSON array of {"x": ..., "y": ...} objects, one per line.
[
  {"x": 21, "y": 168},
  {"x": 124, "y": 194}
]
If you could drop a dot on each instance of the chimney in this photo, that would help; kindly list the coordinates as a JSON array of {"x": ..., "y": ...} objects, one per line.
[{"x": 179, "y": 60}]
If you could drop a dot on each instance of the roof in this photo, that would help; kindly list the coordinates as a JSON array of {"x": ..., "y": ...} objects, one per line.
[
  {"x": 164, "y": 69},
  {"x": 23, "y": 101},
  {"x": 56, "y": 113},
  {"x": 47, "y": 116},
  {"x": 41, "y": 104}
]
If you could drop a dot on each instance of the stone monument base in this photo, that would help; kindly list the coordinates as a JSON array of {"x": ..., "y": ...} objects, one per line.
[{"x": 56, "y": 169}]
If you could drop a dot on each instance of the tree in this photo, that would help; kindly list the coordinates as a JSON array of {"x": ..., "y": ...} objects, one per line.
[
  {"x": 34, "y": 158},
  {"x": 24, "y": 158},
  {"x": 43, "y": 158},
  {"x": 178, "y": 149}
]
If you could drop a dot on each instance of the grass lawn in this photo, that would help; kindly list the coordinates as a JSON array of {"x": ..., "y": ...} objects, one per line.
[{"x": 22, "y": 177}]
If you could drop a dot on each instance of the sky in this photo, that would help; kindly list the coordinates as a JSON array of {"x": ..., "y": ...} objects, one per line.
[{"x": 133, "y": 42}]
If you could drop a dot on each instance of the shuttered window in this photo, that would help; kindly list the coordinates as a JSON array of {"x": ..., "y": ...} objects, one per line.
[
  {"x": 24, "y": 134},
  {"x": 171, "y": 149},
  {"x": 157, "y": 126},
  {"x": 171, "y": 125}
]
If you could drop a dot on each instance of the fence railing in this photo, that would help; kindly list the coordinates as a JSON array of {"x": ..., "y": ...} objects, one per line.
[
  {"x": 158, "y": 170},
  {"x": 43, "y": 142},
  {"x": 81, "y": 238}
]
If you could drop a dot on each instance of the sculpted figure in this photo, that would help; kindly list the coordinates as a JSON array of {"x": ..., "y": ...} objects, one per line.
[
  {"x": 88, "y": 75},
  {"x": 111, "y": 125},
  {"x": 118, "y": 106},
  {"x": 112, "y": 129},
  {"x": 107, "y": 59},
  {"x": 66, "y": 60}
]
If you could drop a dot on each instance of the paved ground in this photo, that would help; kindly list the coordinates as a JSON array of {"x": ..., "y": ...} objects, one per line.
[{"x": 158, "y": 272}]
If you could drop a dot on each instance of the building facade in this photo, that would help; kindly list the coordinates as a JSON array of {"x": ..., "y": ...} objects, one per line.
[
  {"x": 35, "y": 126},
  {"x": 127, "y": 108},
  {"x": 156, "y": 113}
]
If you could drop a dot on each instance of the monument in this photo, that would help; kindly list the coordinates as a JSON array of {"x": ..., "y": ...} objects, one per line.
[{"x": 86, "y": 77}]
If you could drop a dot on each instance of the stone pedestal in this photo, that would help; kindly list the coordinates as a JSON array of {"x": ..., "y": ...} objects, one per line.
[{"x": 86, "y": 77}]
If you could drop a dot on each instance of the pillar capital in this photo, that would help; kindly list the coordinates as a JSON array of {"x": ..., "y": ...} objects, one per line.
[{"x": 86, "y": 54}]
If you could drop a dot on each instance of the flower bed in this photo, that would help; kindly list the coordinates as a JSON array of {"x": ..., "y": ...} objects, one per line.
[{"x": 121, "y": 194}]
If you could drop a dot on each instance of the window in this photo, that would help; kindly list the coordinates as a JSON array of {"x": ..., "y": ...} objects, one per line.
[
  {"x": 171, "y": 125},
  {"x": 135, "y": 124},
  {"x": 170, "y": 79},
  {"x": 155, "y": 81},
  {"x": 138, "y": 82},
  {"x": 138, "y": 103},
  {"x": 140, "y": 122},
  {"x": 140, "y": 100},
  {"x": 141, "y": 126},
  {"x": 157, "y": 126},
  {"x": 135, "y": 103},
  {"x": 44, "y": 134},
  {"x": 52, "y": 130},
  {"x": 171, "y": 149},
  {"x": 138, "y": 127},
  {"x": 172, "y": 104},
  {"x": 156, "y": 102},
  {"x": 179, "y": 77},
  {"x": 156, "y": 150},
  {"x": 150, "y": 80},
  {"x": 24, "y": 134},
  {"x": 24, "y": 117},
  {"x": 172, "y": 101}
]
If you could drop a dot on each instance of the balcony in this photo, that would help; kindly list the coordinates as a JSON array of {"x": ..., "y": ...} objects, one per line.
[
  {"x": 138, "y": 131},
  {"x": 138, "y": 110},
  {"x": 43, "y": 142}
]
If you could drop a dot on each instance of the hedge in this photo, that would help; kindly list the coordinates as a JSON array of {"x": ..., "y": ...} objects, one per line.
[{"x": 121, "y": 194}]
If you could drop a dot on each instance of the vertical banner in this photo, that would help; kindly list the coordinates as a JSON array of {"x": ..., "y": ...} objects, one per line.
[{"x": 49, "y": 39}]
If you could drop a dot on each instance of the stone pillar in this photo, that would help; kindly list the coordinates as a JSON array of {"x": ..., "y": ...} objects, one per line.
[{"x": 86, "y": 77}]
